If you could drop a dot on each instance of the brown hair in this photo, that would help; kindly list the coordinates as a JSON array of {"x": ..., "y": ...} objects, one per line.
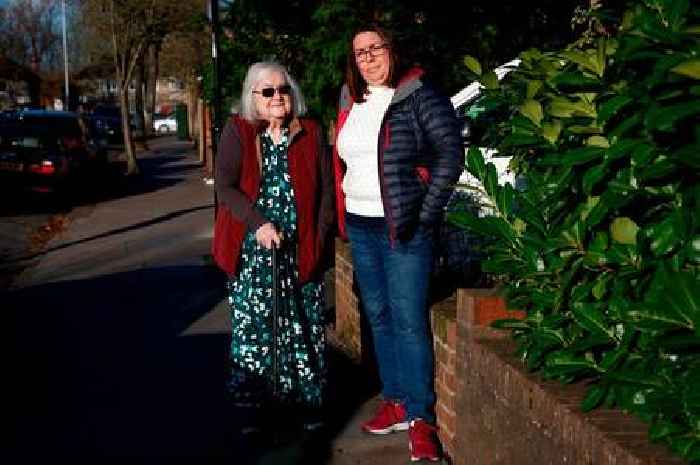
[{"x": 354, "y": 80}]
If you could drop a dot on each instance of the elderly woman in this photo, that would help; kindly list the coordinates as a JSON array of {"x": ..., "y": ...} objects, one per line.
[
  {"x": 275, "y": 187},
  {"x": 399, "y": 153}
]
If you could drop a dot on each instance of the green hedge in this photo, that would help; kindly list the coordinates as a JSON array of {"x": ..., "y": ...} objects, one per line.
[{"x": 602, "y": 249}]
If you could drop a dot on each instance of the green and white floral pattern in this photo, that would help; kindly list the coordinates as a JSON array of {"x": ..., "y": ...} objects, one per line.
[{"x": 301, "y": 339}]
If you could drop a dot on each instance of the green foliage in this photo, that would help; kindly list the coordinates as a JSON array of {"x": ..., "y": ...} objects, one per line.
[
  {"x": 311, "y": 38},
  {"x": 602, "y": 248}
]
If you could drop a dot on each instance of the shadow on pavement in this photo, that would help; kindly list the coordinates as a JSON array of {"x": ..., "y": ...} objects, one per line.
[
  {"x": 109, "y": 183},
  {"x": 142, "y": 224},
  {"x": 102, "y": 373}
]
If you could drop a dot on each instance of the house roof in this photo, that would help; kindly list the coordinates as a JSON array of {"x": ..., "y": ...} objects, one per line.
[
  {"x": 15, "y": 72},
  {"x": 96, "y": 71}
]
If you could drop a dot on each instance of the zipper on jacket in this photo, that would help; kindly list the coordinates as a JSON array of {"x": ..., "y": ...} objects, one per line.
[{"x": 382, "y": 188}]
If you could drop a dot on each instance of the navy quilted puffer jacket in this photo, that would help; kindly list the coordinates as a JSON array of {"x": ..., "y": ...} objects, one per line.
[{"x": 420, "y": 156}]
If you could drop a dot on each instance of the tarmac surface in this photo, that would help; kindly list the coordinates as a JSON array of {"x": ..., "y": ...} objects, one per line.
[{"x": 120, "y": 335}]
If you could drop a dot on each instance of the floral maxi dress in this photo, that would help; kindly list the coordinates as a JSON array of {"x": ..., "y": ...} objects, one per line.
[{"x": 301, "y": 340}]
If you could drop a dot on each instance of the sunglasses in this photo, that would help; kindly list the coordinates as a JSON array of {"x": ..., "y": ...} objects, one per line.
[{"x": 269, "y": 92}]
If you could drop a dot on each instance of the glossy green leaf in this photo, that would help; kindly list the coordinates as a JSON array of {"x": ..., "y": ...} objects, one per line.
[
  {"x": 469, "y": 221},
  {"x": 491, "y": 180},
  {"x": 561, "y": 107},
  {"x": 676, "y": 11},
  {"x": 643, "y": 154},
  {"x": 624, "y": 230},
  {"x": 584, "y": 129},
  {"x": 611, "y": 107},
  {"x": 532, "y": 110},
  {"x": 598, "y": 141},
  {"x": 655, "y": 316},
  {"x": 664, "y": 236},
  {"x": 613, "y": 358},
  {"x": 533, "y": 87},
  {"x": 504, "y": 199},
  {"x": 661, "y": 168},
  {"x": 688, "y": 155},
  {"x": 594, "y": 397},
  {"x": 574, "y": 81},
  {"x": 683, "y": 296},
  {"x": 625, "y": 126},
  {"x": 635, "y": 377},
  {"x": 663, "y": 118},
  {"x": 574, "y": 157},
  {"x": 590, "y": 317},
  {"x": 661, "y": 429},
  {"x": 472, "y": 64},
  {"x": 621, "y": 148},
  {"x": 475, "y": 163},
  {"x": 593, "y": 175},
  {"x": 566, "y": 364},
  {"x": 519, "y": 140},
  {"x": 510, "y": 323},
  {"x": 551, "y": 131},
  {"x": 676, "y": 341},
  {"x": 595, "y": 255},
  {"x": 489, "y": 80},
  {"x": 587, "y": 61}
]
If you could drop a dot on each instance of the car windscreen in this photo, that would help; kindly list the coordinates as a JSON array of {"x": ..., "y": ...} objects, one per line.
[
  {"x": 108, "y": 111},
  {"x": 34, "y": 133},
  {"x": 483, "y": 114}
]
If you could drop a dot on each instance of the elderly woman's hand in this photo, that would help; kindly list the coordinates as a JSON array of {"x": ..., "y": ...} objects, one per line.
[{"x": 267, "y": 235}]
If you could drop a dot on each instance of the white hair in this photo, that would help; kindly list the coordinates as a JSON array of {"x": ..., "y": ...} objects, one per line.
[{"x": 255, "y": 74}]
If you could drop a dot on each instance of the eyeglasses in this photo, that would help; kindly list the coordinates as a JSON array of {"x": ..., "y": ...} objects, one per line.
[
  {"x": 269, "y": 92},
  {"x": 373, "y": 51}
]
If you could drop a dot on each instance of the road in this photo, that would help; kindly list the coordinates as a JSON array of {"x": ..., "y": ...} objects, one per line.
[{"x": 28, "y": 221}]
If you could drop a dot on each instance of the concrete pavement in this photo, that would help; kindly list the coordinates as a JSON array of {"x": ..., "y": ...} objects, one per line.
[{"x": 120, "y": 341}]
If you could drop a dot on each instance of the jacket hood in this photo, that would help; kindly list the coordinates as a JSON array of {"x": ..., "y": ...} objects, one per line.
[{"x": 409, "y": 83}]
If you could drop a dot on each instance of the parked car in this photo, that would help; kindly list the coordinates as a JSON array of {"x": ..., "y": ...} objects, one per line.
[
  {"x": 165, "y": 124},
  {"x": 106, "y": 124},
  {"x": 458, "y": 255},
  {"x": 474, "y": 112},
  {"x": 44, "y": 150}
]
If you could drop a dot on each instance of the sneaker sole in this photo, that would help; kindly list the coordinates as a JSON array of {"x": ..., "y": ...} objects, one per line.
[
  {"x": 418, "y": 459},
  {"x": 391, "y": 429}
]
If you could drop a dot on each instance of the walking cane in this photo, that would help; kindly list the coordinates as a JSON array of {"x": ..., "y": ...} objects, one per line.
[
  {"x": 276, "y": 435},
  {"x": 275, "y": 320}
]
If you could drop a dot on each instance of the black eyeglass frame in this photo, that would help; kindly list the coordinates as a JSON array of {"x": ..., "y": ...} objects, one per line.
[
  {"x": 373, "y": 51},
  {"x": 269, "y": 92}
]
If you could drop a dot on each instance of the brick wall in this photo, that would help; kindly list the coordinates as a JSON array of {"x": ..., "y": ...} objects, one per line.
[
  {"x": 507, "y": 416},
  {"x": 444, "y": 328},
  {"x": 345, "y": 332}
]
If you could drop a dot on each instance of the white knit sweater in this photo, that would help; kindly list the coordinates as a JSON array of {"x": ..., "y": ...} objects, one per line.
[{"x": 357, "y": 146}]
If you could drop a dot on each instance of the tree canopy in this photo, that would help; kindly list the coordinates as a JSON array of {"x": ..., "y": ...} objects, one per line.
[{"x": 311, "y": 37}]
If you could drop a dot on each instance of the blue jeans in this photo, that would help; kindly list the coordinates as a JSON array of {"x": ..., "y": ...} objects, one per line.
[{"x": 393, "y": 282}]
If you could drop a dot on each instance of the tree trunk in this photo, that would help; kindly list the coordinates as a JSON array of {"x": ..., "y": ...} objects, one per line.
[
  {"x": 151, "y": 69},
  {"x": 132, "y": 168},
  {"x": 139, "y": 119}
]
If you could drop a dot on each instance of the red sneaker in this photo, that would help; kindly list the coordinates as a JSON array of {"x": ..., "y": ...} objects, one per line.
[
  {"x": 423, "y": 442},
  {"x": 390, "y": 417}
]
